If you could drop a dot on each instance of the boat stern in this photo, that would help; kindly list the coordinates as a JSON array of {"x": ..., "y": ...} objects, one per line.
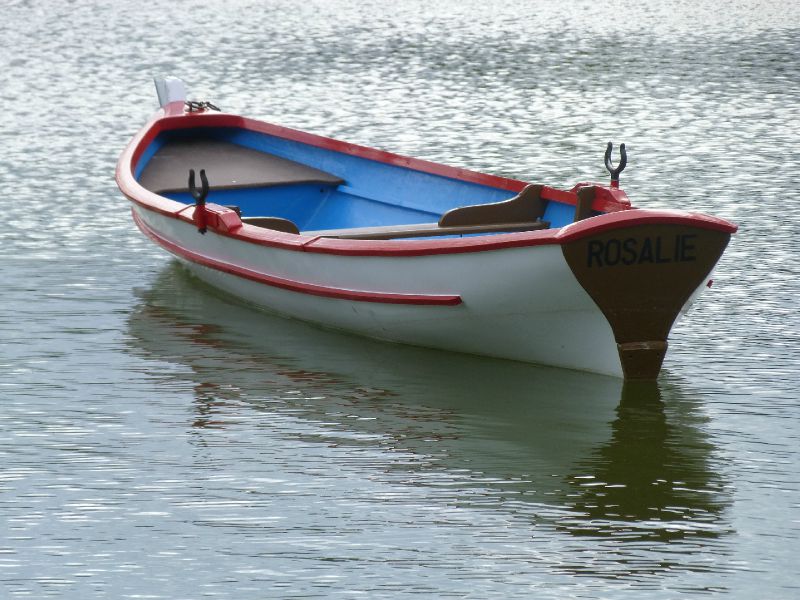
[{"x": 641, "y": 267}]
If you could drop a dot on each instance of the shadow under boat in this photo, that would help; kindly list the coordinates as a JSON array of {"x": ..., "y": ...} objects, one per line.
[{"x": 596, "y": 456}]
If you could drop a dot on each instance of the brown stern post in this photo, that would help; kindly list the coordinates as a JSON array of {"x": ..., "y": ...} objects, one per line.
[{"x": 640, "y": 275}]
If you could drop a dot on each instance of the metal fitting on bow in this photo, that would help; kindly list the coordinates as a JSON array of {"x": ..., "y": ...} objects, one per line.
[{"x": 197, "y": 106}]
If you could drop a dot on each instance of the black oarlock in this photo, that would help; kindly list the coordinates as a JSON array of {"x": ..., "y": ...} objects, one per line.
[
  {"x": 623, "y": 160},
  {"x": 199, "y": 196}
]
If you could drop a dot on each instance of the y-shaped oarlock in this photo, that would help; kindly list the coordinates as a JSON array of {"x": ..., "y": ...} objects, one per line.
[
  {"x": 623, "y": 160},
  {"x": 199, "y": 196}
]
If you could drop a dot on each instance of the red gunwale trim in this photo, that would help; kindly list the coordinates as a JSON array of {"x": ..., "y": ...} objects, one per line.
[
  {"x": 173, "y": 117},
  {"x": 568, "y": 233},
  {"x": 628, "y": 218},
  {"x": 297, "y": 286}
]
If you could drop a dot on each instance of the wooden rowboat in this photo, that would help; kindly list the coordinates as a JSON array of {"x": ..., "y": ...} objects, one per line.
[{"x": 410, "y": 251}]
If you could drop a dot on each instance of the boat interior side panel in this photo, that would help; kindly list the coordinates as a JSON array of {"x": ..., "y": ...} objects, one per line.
[
  {"x": 148, "y": 153},
  {"x": 375, "y": 180},
  {"x": 343, "y": 210},
  {"x": 373, "y": 193},
  {"x": 559, "y": 215}
]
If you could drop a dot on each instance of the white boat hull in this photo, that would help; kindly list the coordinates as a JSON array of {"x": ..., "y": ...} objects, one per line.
[{"x": 521, "y": 304}]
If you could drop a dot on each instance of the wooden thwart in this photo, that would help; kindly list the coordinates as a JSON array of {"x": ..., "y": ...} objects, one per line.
[
  {"x": 423, "y": 230},
  {"x": 274, "y": 223}
]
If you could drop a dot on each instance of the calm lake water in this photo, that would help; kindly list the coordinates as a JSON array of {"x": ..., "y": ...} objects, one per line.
[{"x": 159, "y": 440}]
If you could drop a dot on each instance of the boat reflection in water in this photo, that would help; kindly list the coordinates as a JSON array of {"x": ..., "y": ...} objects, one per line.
[
  {"x": 652, "y": 479},
  {"x": 568, "y": 451},
  {"x": 651, "y": 486}
]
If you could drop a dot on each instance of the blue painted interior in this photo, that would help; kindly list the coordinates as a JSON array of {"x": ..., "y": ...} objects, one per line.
[
  {"x": 298, "y": 203},
  {"x": 559, "y": 214},
  {"x": 373, "y": 193},
  {"x": 148, "y": 153}
]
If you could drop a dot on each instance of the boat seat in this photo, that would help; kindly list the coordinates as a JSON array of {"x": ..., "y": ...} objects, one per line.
[
  {"x": 583, "y": 207},
  {"x": 525, "y": 207},
  {"x": 276, "y": 223},
  {"x": 227, "y": 166}
]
